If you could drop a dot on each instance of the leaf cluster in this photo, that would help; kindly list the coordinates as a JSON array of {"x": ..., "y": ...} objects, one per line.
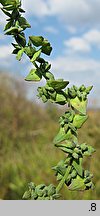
[{"x": 40, "y": 192}]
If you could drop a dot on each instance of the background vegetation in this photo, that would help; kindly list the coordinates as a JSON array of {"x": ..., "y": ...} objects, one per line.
[{"x": 26, "y": 149}]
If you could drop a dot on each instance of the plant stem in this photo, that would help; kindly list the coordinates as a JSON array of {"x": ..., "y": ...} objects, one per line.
[{"x": 60, "y": 185}]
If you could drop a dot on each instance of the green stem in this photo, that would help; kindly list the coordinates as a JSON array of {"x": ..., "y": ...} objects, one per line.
[{"x": 60, "y": 185}]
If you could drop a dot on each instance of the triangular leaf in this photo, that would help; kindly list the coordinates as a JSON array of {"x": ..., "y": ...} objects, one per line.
[
  {"x": 67, "y": 144},
  {"x": 79, "y": 120},
  {"x": 78, "y": 166},
  {"x": 46, "y": 47},
  {"x": 23, "y": 23},
  {"x": 79, "y": 105},
  {"x": 36, "y": 40},
  {"x": 77, "y": 184},
  {"x": 58, "y": 84},
  {"x": 8, "y": 25},
  {"x": 64, "y": 148},
  {"x": 34, "y": 75},
  {"x": 61, "y": 136},
  {"x": 60, "y": 98}
]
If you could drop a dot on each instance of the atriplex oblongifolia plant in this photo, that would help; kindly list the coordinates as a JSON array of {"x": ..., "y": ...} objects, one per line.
[{"x": 69, "y": 171}]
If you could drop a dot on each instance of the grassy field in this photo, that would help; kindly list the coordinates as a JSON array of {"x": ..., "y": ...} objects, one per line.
[{"x": 26, "y": 149}]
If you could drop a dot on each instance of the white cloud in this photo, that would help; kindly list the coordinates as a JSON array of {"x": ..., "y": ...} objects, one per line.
[
  {"x": 51, "y": 29},
  {"x": 5, "y": 51},
  {"x": 67, "y": 64},
  {"x": 6, "y": 60},
  {"x": 69, "y": 11},
  {"x": 38, "y": 8},
  {"x": 77, "y": 44},
  {"x": 93, "y": 37},
  {"x": 71, "y": 29},
  {"x": 84, "y": 43},
  {"x": 80, "y": 13},
  {"x": 1, "y": 36}
]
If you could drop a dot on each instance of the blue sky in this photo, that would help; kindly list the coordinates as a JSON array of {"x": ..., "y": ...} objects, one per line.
[{"x": 73, "y": 28}]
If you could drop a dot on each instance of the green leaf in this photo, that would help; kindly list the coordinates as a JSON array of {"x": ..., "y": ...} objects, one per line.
[
  {"x": 27, "y": 195},
  {"x": 41, "y": 186},
  {"x": 73, "y": 129},
  {"x": 75, "y": 155},
  {"x": 31, "y": 185},
  {"x": 21, "y": 10},
  {"x": 7, "y": 2},
  {"x": 61, "y": 136},
  {"x": 19, "y": 54},
  {"x": 41, "y": 60},
  {"x": 90, "y": 185},
  {"x": 51, "y": 190},
  {"x": 34, "y": 75},
  {"x": 64, "y": 148},
  {"x": 77, "y": 184},
  {"x": 17, "y": 48},
  {"x": 36, "y": 56},
  {"x": 8, "y": 25},
  {"x": 21, "y": 40},
  {"x": 57, "y": 84},
  {"x": 52, "y": 95},
  {"x": 60, "y": 98},
  {"x": 60, "y": 169},
  {"x": 84, "y": 146},
  {"x": 82, "y": 88},
  {"x": 73, "y": 174},
  {"x": 68, "y": 144},
  {"x": 23, "y": 23},
  {"x": 46, "y": 47},
  {"x": 6, "y": 12},
  {"x": 77, "y": 164},
  {"x": 72, "y": 93},
  {"x": 9, "y": 7},
  {"x": 39, "y": 191},
  {"x": 30, "y": 51},
  {"x": 79, "y": 105},
  {"x": 44, "y": 99},
  {"x": 12, "y": 30},
  {"x": 36, "y": 40},
  {"x": 88, "y": 89},
  {"x": 47, "y": 66},
  {"x": 34, "y": 196},
  {"x": 49, "y": 75},
  {"x": 59, "y": 177},
  {"x": 79, "y": 120},
  {"x": 89, "y": 151}
]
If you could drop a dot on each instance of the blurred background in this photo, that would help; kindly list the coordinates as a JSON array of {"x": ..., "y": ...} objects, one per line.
[{"x": 27, "y": 127}]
